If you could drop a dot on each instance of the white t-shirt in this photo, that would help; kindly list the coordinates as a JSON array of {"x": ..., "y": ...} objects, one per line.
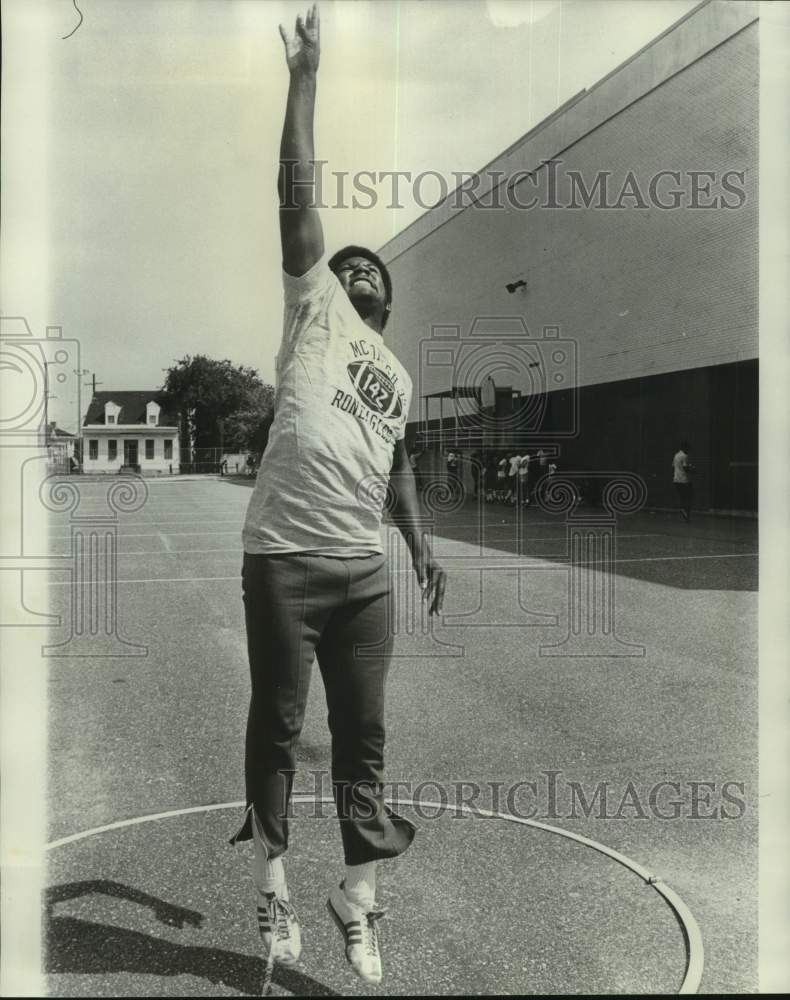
[
  {"x": 679, "y": 466},
  {"x": 523, "y": 469},
  {"x": 341, "y": 403},
  {"x": 515, "y": 461}
]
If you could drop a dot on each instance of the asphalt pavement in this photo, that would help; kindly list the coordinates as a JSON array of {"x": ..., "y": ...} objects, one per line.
[{"x": 644, "y": 741}]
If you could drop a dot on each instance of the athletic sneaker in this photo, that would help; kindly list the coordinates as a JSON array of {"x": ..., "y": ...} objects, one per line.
[
  {"x": 358, "y": 927},
  {"x": 279, "y": 928}
]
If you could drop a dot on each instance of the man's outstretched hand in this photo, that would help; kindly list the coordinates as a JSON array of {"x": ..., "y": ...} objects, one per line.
[{"x": 303, "y": 49}]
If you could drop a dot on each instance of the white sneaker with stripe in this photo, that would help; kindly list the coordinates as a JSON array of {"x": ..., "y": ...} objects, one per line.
[
  {"x": 358, "y": 927},
  {"x": 279, "y": 928}
]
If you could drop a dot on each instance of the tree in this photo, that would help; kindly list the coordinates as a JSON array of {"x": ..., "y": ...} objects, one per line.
[
  {"x": 248, "y": 428},
  {"x": 224, "y": 405}
]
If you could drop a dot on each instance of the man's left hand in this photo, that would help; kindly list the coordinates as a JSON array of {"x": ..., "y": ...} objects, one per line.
[{"x": 433, "y": 580}]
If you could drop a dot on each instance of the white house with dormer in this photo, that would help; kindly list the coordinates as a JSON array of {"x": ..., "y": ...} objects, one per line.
[{"x": 130, "y": 429}]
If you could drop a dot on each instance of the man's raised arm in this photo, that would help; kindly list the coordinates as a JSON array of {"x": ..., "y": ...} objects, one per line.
[{"x": 301, "y": 234}]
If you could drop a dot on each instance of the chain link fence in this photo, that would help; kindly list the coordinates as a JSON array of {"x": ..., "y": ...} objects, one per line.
[{"x": 215, "y": 461}]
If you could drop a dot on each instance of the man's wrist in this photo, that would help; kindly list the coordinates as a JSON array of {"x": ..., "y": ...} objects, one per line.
[{"x": 303, "y": 73}]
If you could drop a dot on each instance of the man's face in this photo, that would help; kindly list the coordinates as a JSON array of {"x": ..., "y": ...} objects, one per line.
[{"x": 362, "y": 282}]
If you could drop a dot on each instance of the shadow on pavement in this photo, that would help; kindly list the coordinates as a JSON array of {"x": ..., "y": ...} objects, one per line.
[
  {"x": 710, "y": 553},
  {"x": 239, "y": 480},
  {"x": 82, "y": 947}
]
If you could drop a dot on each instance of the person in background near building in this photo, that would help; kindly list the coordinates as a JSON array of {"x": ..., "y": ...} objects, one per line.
[
  {"x": 315, "y": 579},
  {"x": 501, "y": 478},
  {"x": 453, "y": 472},
  {"x": 542, "y": 467},
  {"x": 491, "y": 469},
  {"x": 523, "y": 481},
  {"x": 512, "y": 478},
  {"x": 681, "y": 467}
]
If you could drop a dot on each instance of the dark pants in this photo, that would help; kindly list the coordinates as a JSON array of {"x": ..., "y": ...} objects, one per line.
[
  {"x": 686, "y": 496},
  {"x": 297, "y": 606}
]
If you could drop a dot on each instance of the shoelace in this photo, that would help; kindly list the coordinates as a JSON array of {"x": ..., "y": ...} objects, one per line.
[
  {"x": 280, "y": 911},
  {"x": 283, "y": 912},
  {"x": 372, "y": 942}
]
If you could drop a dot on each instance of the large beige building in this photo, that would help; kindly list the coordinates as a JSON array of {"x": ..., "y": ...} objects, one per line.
[{"x": 615, "y": 289}]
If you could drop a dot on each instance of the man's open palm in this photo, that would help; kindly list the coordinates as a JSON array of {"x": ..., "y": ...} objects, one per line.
[{"x": 303, "y": 49}]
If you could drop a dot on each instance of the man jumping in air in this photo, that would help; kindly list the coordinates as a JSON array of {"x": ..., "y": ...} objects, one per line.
[{"x": 314, "y": 578}]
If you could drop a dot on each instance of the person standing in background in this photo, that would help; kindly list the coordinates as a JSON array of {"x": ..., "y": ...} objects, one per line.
[
  {"x": 523, "y": 481},
  {"x": 681, "y": 467},
  {"x": 512, "y": 473},
  {"x": 501, "y": 478},
  {"x": 490, "y": 474}
]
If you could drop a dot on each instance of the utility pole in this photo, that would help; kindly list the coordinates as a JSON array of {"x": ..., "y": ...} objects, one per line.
[
  {"x": 46, "y": 399},
  {"x": 79, "y": 372},
  {"x": 47, "y": 396}
]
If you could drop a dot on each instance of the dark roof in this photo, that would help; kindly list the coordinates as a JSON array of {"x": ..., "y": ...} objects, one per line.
[
  {"x": 132, "y": 403},
  {"x": 53, "y": 431}
]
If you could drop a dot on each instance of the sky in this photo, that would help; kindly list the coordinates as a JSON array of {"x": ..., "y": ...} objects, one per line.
[{"x": 143, "y": 178}]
